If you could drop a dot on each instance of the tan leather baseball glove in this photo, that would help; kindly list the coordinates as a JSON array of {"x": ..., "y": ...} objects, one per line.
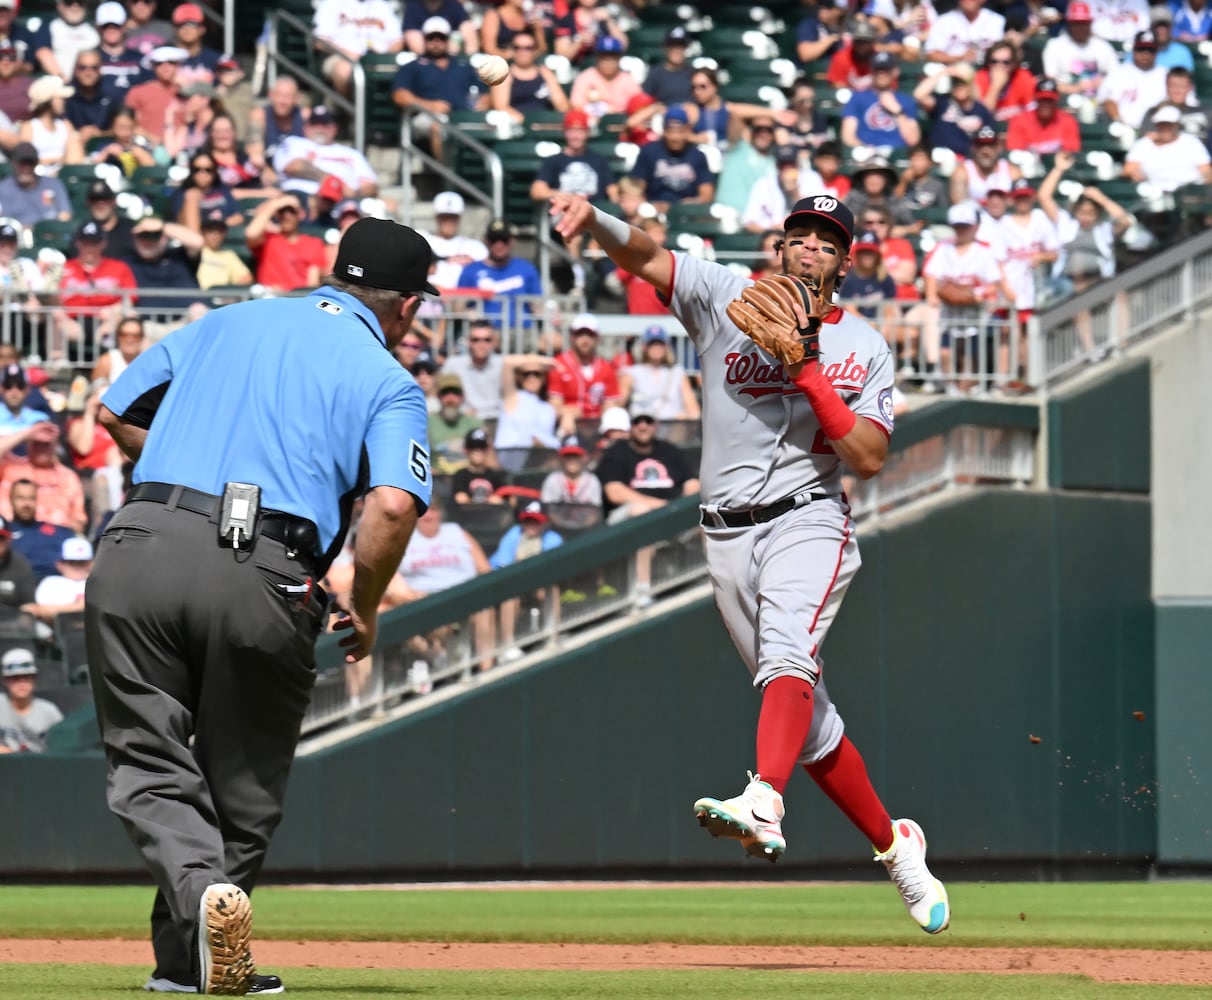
[{"x": 765, "y": 314}]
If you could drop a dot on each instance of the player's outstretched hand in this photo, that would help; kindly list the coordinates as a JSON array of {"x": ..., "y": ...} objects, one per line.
[
  {"x": 570, "y": 214},
  {"x": 782, "y": 315},
  {"x": 361, "y": 640}
]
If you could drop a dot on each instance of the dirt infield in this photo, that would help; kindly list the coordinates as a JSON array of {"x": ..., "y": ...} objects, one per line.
[{"x": 1123, "y": 966}]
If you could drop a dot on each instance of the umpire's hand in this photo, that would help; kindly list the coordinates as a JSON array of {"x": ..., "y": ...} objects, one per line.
[{"x": 359, "y": 643}]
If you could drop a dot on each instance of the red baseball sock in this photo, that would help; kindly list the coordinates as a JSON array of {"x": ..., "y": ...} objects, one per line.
[
  {"x": 843, "y": 777},
  {"x": 782, "y": 728}
]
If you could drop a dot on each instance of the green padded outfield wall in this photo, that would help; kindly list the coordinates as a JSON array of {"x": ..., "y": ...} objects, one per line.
[
  {"x": 1099, "y": 432},
  {"x": 988, "y": 661}
]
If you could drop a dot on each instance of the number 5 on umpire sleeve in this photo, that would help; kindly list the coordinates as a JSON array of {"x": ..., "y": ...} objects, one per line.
[{"x": 418, "y": 462}]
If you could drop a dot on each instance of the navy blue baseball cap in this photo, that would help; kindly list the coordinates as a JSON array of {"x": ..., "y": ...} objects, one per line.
[{"x": 822, "y": 206}]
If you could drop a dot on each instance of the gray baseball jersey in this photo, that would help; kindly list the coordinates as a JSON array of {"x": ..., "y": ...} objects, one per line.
[
  {"x": 761, "y": 439},
  {"x": 779, "y": 584}
]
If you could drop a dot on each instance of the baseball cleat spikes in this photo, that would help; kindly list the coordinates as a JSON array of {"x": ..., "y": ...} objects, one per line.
[{"x": 754, "y": 818}]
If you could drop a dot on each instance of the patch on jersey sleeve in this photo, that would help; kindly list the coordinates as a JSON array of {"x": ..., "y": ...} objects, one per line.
[
  {"x": 885, "y": 402},
  {"x": 418, "y": 462}
]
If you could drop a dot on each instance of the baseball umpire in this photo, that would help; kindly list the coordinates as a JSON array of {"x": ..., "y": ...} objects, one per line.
[
  {"x": 254, "y": 430},
  {"x": 793, "y": 386}
]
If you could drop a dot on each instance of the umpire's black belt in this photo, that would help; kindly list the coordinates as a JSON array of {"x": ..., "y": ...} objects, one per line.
[
  {"x": 296, "y": 533},
  {"x": 759, "y": 515}
]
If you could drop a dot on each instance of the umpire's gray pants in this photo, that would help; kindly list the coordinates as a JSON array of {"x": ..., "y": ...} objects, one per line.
[{"x": 190, "y": 641}]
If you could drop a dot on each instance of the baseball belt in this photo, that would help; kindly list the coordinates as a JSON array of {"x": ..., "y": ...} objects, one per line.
[
  {"x": 758, "y": 515},
  {"x": 293, "y": 532}
]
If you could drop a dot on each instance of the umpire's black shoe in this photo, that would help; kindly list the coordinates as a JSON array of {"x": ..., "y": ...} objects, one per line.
[{"x": 261, "y": 985}]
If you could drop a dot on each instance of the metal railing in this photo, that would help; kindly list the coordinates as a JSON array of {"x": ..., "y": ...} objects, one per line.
[
  {"x": 413, "y": 155},
  {"x": 513, "y": 617},
  {"x": 317, "y": 84},
  {"x": 1120, "y": 311}
]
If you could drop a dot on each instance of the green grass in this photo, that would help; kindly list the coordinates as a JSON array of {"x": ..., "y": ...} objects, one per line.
[
  {"x": 34, "y": 982},
  {"x": 1097, "y": 915},
  {"x": 1123, "y": 915}
]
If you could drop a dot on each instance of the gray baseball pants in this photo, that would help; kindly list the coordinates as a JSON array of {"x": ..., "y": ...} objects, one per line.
[{"x": 202, "y": 669}]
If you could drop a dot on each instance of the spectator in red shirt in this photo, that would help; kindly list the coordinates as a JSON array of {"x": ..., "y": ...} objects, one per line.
[
  {"x": 1047, "y": 129},
  {"x": 1004, "y": 85},
  {"x": 580, "y": 384},
  {"x": 91, "y": 284},
  {"x": 286, "y": 258},
  {"x": 851, "y": 64},
  {"x": 827, "y": 161},
  {"x": 642, "y": 298},
  {"x": 152, "y": 100}
]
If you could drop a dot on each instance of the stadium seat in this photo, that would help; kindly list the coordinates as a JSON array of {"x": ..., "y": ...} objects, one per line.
[
  {"x": 382, "y": 116},
  {"x": 55, "y": 234}
]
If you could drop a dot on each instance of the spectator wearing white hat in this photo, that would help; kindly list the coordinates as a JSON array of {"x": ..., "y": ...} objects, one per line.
[
  {"x": 63, "y": 592},
  {"x": 24, "y": 719},
  {"x": 451, "y": 249},
  {"x": 70, "y": 34},
  {"x": 437, "y": 83},
  {"x": 1166, "y": 156},
  {"x": 417, "y": 12},
  {"x": 47, "y": 129},
  {"x": 346, "y": 30},
  {"x": 152, "y": 100},
  {"x": 121, "y": 64},
  {"x": 959, "y": 278}
]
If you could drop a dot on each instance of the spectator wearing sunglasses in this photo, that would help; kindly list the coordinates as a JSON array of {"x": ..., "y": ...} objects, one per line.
[
  {"x": 530, "y": 86},
  {"x": 90, "y": 109},
  {"x": 479, "y": 369},
  {"x": 202, "y": 194}
]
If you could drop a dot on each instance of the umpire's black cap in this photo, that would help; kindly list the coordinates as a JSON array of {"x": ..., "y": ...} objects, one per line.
[
  {"x": 379, "y": 253},
  {"x": 822, "y": 206}
]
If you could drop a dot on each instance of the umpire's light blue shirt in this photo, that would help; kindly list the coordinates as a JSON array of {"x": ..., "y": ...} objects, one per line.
[{"x": 285, "y": 394}]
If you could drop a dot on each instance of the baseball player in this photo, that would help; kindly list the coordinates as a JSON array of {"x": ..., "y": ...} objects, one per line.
[{"x": 780, "y": 542}]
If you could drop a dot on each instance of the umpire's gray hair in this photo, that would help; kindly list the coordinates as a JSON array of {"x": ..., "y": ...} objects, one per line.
[{"x": 383, "y": 302}]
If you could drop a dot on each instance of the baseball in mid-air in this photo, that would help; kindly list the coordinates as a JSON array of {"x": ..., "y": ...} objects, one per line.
[{"x": 493, "y": 70}]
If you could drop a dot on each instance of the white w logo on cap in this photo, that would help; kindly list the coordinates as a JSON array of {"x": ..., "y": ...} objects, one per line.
[{"x": 824, "y": 204}]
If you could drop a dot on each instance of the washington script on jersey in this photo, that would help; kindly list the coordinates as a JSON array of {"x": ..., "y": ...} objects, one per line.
[{"x": 763, "y": 378}]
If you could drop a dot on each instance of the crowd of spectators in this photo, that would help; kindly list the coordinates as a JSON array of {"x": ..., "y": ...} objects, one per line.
[
  {"x": 904, "y": 110},
  {"x": 960, "y": 134}
]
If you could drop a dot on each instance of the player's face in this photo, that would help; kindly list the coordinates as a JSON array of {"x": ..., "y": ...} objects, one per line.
[{"x": 814, "y": 253}]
